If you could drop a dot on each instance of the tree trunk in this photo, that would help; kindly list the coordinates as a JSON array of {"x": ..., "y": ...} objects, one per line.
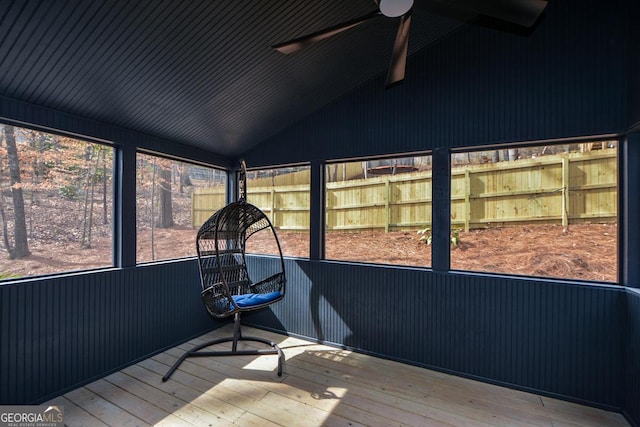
[
  {"x": 90, "y": 186},
  {"x": 165, "y": 219},
  {"x": 105, "y": 212},
  {"x": 21, "y": 248},
  {"x": 185, "y": 181},
  {"x": 152, "y": 212},
  {"x": 85, "y": 211},
  {"x": 92, "y": 201}
]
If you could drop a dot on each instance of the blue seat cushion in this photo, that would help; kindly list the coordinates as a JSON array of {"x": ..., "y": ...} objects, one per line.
[{"x": 250, "y": 300}]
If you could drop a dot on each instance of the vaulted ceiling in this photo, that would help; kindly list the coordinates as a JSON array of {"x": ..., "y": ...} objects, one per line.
[{"x": 198, "y": 72}]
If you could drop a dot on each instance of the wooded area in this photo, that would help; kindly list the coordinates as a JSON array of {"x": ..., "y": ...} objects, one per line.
[
  {"x": 163, "y": 201},
  {"x": 45, "y": 178},
  {"x": 56, "y": 202}
]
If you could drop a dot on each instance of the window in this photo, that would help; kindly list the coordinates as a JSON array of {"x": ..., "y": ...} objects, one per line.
[
  {"x": 375, "y": 209},
  {"x": 56, "y": 198},
  {"x": 546, "y": 211},
  {"x": 173, "y": 199},
  {"x": 284, "y": 195}
]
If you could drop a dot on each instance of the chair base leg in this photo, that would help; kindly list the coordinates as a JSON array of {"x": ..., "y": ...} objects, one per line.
[{"x": 197, "y": 351}]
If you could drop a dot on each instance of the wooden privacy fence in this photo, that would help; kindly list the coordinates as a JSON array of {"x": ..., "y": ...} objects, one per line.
[
  {"x": 567, "y": 189},
  {"x": 205, "y": 201},
  {"x": 560, "y": 189}
]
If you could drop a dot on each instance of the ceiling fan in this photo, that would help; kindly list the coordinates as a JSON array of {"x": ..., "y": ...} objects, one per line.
[{"x": 522, "y": 13}]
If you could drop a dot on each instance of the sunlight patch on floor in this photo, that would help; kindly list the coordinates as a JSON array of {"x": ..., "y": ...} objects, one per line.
[{"x": 265, "y": 363}]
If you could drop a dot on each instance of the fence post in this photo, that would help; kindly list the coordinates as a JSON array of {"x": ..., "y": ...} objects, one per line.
[
  {"x": 467, "y": 202},
  {"x": 387, "y": 212},
  {"x": 273, "y": 207},
  {"x": 565, "y": 192}
]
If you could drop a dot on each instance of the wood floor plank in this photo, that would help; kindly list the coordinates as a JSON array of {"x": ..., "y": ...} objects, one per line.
[
  {"x": 103, "y": 409},
  {"x": 221, "y": 391},
  {"x": 251, "y": 420},
  {"x": 166, "y": 401},
  {"x": 320, "y": 386},
  {"x": 394, "y": 410},
  {"x": 401, "y": 414},
  {"x": 412, "y": 396},
  {"x": 261, "y": 389},
  {"x": 488, "y": 403},
  {"x": 206, "y": 369},
  {"x": 206, "y": 401},
  {"x": 574, "y": 413},
  {"x": 134, "y": 405},
  {"x": 74, "y": 415}
]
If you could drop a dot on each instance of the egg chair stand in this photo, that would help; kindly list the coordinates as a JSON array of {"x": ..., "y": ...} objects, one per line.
[
  {"x": 227, "y": 289},
  {"x": 198, "y": 351}
]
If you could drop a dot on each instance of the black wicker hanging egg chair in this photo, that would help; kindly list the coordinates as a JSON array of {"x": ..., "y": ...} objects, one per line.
[{"x": 227, "y": 287}]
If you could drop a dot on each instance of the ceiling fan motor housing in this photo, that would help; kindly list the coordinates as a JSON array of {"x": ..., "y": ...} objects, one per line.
[{"x": 395, "y": 8}]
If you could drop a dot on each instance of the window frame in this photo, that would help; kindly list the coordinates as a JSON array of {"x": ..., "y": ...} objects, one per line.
[
  {"x": 172, "y": 158},
  {"x": 115, "y": 196},
  {"x": 309, "y": 168},
  {"x": 620, "y": 143},
  {"x": 386, "y": 157}
]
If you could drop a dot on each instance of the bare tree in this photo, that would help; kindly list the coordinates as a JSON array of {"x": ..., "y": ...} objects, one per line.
[
  {"x": 21, "y": 245},
  {"x": 105, "y": 210},
  {"x": 152, "y": 213},
  {"x": 165, "y": 213},
  {"x": 91, "y": 171},
  {"x": 183, "y": 177}
]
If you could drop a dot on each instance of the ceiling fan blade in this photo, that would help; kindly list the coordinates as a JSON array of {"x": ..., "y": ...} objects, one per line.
[
  {"x": 301, "y": 42},
  {"x": 398, "y": 64},
  {"x": 520, "y": 12}
]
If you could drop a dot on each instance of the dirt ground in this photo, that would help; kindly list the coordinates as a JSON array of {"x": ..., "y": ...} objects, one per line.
[{"x": 586, "y": 252}]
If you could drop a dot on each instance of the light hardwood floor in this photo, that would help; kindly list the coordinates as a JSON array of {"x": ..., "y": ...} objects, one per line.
[{"x": 320, "y": 386}]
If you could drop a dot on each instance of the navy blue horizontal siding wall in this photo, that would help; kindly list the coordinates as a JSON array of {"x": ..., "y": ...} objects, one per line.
[
  {"x": 556, "y": 339},
  {"x": 481, "y": 86},
  {"x": 58, "y": 333},
  {"x": 632, "y": 371}
]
